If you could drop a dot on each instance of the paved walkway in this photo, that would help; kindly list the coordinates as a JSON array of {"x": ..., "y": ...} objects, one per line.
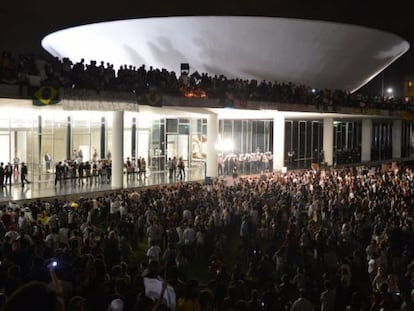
[{"x": 46, "y": 187}]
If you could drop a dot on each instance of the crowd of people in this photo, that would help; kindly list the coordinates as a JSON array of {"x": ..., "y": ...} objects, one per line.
[
  {"x": 31, "y": 70},
  {"x": 306, "y": 240},
  {"x": 245, "y": 163},
  {"x": 13, "y": 173},
  {"x": 323, "y": 239},
  {"x": 97, "y": 171}
]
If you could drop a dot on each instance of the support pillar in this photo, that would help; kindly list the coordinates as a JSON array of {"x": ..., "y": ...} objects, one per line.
[
  {"x": 134, "y": 139},
  {"x": 328, "y": 140},
  {"x": 69, "y": 138},
  {"x": 40, "y": 138},
  {"x": 102, "y": 138},
  {"x": 117, "y": 149},
  {"x": 366, "y": 140},
  {"x": 212, "y": 138},
  {"x": 39, "y": 151},
  {"x": 278, "y": 142},
  {"x": 396, "y": 139}
]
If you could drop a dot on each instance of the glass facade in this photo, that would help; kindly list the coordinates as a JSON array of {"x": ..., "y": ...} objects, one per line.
[
  {"x": 303, "y": 143},
  {"x": 347, "y": 142},
  {"x": 245, "y": 143},
  {"x": 245, "y": 136},
  {"x": 60, "y": 135},
  {"x": 407, "y": 139},
  {"x": 156, "y": 150},
  {"x": 245, "y": 146},
  {"x": 381, "y": 143}
]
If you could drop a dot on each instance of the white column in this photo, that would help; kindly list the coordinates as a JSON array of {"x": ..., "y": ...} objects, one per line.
[
  {"x": 212, "y": 138},
  {"x": 396, "y": 138},
  {"x": 278, "y": 141},
  {"x": 22, "y": 146},
  {"x": 328, "y": 140},
  {"x": 366, "y": 140},
  {"x": 117, "y": 149}
]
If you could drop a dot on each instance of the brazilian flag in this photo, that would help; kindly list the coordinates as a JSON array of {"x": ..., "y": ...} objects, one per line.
[
  {"x": 45, "y": 95},
  {"x": 152, "y": 98}
]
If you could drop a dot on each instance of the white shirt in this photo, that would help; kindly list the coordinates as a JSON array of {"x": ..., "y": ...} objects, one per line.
[
  {"x": 180, "y": 235},
  {"x": 13, "y": 205},
  {"x": 187, "y": 214},
  {"x": 52, "y": 221},
  {"x": 372, "y": 266},
  {"x": 328, "y": 300},
  {"x": 196, "y": 220},
  {"x": 115, "y": 207},
  {"x": 13, "y": 235},
  {"x": 154, "y": 252},
  {"x": 52, "y": 236},
  {"x": 123, "y": 210},
  {"x": 226, "y": 217},
  {"x": 302, "y": 304},
  {"x": 64, "y": 235},
  {"x": 200, "y": 238},
  {"x": 22, "y": 223},
  {"x": 70, "y": 217},
  {"x": 189, "y": 236},
  {"x": 254, "y": 214}
]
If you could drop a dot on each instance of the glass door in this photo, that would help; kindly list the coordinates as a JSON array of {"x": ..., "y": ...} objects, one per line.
[{"x": 172, "y": 146}]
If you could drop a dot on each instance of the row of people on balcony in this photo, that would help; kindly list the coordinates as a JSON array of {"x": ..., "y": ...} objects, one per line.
[{"x": 27, "y": 70}]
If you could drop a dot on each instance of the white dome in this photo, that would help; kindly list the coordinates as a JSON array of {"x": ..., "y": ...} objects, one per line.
[{"x": 314, "y": 53}]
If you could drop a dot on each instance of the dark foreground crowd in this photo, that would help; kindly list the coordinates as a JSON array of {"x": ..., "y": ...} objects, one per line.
[{"x": 308, "y": 240}]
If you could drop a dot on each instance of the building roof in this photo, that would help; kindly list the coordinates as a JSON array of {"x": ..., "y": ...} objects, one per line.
[
  {"x": 315, "y": 53},
  {"x": 27, "y": 24}
]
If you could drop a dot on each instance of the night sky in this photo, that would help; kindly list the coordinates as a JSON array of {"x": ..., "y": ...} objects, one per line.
[{"x": 23, "y": 25}]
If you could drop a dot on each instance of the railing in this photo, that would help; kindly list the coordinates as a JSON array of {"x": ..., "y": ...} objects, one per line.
[{"x": 71, "y": 98}]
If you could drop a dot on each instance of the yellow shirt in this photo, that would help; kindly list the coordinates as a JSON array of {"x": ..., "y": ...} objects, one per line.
[
  {"x": 43, "y": 218},
  {"x": 185, "y": 304}
]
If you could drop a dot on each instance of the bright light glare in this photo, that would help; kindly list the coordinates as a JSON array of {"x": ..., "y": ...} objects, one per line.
[
  {"x": 225, "y": 145},
  {"x": 389, "y": 90}
]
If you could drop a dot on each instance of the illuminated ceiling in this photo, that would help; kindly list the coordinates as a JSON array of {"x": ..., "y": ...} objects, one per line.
[{"x": 10, "y": 108}]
